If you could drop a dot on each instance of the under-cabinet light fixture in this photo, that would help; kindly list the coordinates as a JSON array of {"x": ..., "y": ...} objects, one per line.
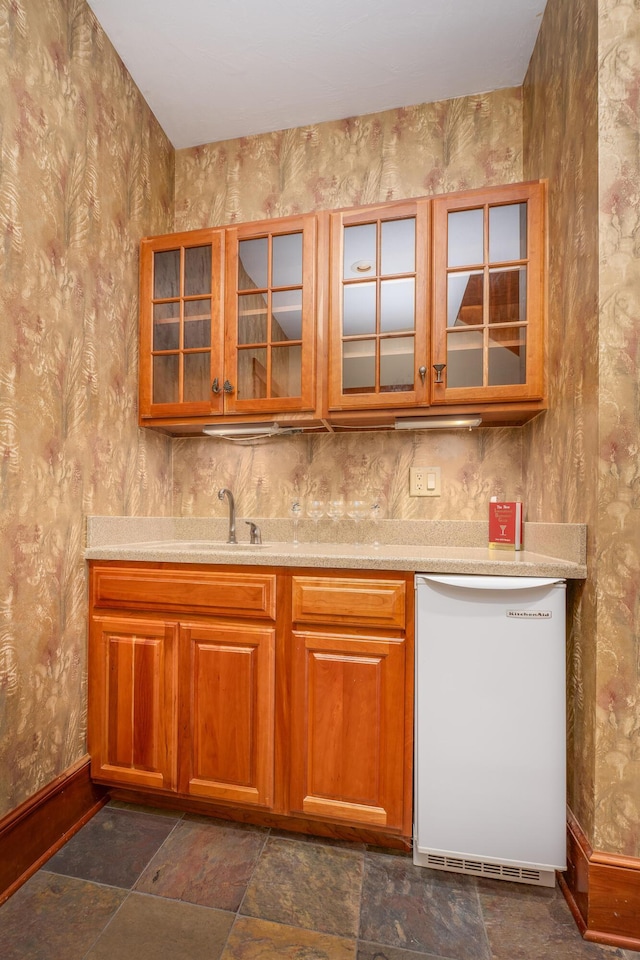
[
  {"x": 234, "y": 431},
  {"x": 437, "y": 423}
]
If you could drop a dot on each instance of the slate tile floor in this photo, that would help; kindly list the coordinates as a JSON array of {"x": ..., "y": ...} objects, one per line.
[{"x": 139, "y": 884}]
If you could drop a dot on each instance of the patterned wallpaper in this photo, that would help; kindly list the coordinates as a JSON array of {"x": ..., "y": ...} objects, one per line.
[
  {"x": 560, "y": 94},
  {"x": 85, "y": 171},
  {"x": 426, "y": 149},
  {"x": 617, "y": 703},
  {"x": 581, "y": 122}
]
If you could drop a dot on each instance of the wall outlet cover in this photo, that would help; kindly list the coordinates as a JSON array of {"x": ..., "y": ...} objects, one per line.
[{"x": 424, "y": 481}]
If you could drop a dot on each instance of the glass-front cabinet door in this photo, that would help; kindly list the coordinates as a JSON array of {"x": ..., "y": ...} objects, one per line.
[
  {"x": 487, "y": 342},
  {"x": 270, "y": 317},
  {"x": 379, "y": 304},
  {"x": 180, "y": 324}
]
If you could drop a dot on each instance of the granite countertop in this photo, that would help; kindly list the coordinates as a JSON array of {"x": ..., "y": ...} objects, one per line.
[{"x": 552, "y": 550}]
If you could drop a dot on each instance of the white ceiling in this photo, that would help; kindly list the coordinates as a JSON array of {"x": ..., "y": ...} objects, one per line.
[{"x": 218, "y": 69}]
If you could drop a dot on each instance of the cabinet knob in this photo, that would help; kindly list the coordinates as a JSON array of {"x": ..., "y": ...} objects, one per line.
[
  {"x": 423, "y": 372},
  {"x": 228, "y": 387},
  {"x": 439, "y": 367},
  {"x": 215, "y": 386}
]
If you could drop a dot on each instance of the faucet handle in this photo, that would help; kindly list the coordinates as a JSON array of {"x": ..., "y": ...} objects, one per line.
[{"x": 255, "y": 536}]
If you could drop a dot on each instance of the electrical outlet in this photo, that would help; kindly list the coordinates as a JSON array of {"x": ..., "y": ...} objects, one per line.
[{"x": 424, "y": 481}]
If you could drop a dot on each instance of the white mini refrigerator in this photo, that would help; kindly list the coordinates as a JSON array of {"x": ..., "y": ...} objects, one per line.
[{"x": 490, "y": 779}]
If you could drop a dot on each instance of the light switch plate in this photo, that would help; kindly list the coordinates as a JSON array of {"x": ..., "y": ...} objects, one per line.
[{"x": 424, "y": 481}]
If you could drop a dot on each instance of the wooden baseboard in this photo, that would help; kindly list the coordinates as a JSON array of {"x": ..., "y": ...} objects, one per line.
[
  {"x": 38, "y": 828},
  {"x": 603, "y": 891}
]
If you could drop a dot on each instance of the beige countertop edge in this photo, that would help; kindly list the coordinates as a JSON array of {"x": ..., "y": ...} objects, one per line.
[{"x": 465, "y": 560}]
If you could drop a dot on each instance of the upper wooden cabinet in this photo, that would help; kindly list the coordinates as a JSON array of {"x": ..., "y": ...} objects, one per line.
[
  {"x": 487, "y": 339},
  {"x": 379, "y": 307},
  {"x": 351, "y": 317},
  {"x": 270, "y": 316},
  {"x": 181, "y": 330},
  {"x": 228, "y": 322}
]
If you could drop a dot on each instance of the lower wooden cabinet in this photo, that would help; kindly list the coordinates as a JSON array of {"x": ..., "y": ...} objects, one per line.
[
  {"x": 132, "y": 701},
  {"x": 347, "y": 746},
  {"x": 300, "y": 708},
  {"x": 226, "y": 709}
]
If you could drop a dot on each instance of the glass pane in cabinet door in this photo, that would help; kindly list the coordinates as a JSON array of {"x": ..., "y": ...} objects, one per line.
[
  {"x": 359, "y": 309},
  {"x": 508, "y": 295},
  {"x": 166, "y": 274},
  {"x": 508, "y": 232},
  {"x": 197, "y": 270},
  {"x": 252, "y": 318},
  {"x": 197, "y": 369},
  {"x": 464, "y": 359},
  {"x": 466, "y": 237},
  {"x": 286, "y": 315},
  {"x": 252, "y": 374},
  {"x": 464, "y": 299},
  {"x": 166, "y": 326},
  {"x": 166, "y": 370},
  {"x": 359, "y": 366},
  {"x": 253, "y": 262},
  {"x": 507, "y": 355},
  {"x": 398, "y": 241},
  {"x": 359, "y": 252},
  {"x": 197, "y": 324},
  {"x": 286, "y": 371},
  {"x": 396, "y": 364},
  {"x": 286, "y": 260},
  {"x": 397, "y": 305}
]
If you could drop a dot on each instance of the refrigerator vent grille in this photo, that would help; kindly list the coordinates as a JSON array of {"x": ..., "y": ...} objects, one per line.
[{"x": 485, "y": 868}]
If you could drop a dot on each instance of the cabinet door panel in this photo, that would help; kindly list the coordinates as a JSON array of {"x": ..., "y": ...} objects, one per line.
[
  {"x": 488, "y": 314},
  {"x": 270, "y": 307},
  {"x": 133, "y": 702},
  {"x": 349, "y": 600},
  {"x": 187, "y": 591},
  {"x": 227, "y": 703},
  {"x": 348, "y": 728},
  {"x": 379, "y": 306},
  {"x": 181, "y": 289}
]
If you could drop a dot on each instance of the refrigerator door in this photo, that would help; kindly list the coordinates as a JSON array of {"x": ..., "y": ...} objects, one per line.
[{"x": 490, "y": 720}]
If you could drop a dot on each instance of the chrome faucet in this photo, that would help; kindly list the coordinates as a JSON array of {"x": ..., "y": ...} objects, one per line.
[{"x": 232, "y": 513}]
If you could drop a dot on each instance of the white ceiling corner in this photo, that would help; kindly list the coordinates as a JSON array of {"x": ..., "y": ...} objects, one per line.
[{"x": 218, "y": 69}]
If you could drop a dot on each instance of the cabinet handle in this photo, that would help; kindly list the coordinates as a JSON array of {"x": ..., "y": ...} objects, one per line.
[
  {"x": 439, "y": 367},
  {"x": 215, "y": 386},
  {"x": 228, "y": 387},
  {"x": 423, "y": 372}
]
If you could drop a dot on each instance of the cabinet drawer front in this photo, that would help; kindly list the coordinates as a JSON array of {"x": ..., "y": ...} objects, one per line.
[
  {"x": 375, "y": 603},
  {"x": 241, "y": 594}
]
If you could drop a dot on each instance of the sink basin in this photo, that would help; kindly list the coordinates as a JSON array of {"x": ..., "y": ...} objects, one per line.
[{"x": 209, "y": 545}]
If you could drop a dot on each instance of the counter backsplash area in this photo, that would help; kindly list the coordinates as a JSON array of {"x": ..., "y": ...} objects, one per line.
[{"x": 551, "y": 549}]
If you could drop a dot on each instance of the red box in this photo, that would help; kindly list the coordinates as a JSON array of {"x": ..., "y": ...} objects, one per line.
[{"x": 506, "y": 524}]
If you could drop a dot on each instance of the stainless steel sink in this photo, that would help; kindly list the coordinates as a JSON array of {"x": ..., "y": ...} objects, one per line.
[
  {"x": 210, "y": 546},
  {"x": 215, "y": 545}
]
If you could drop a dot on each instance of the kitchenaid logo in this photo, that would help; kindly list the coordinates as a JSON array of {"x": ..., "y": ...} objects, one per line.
[{"x": 530, "y": 614}]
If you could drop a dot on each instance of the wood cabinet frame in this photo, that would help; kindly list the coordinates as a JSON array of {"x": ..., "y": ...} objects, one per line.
[
  {"x": 379, "y": 213},
  {"x": 324, "y": 404},
  {"x": 533, "y": 388},
  {"x": 307, "y": 226},
  {"x": 148, "y": 410},
  {"x": 255, "y": 665}
]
